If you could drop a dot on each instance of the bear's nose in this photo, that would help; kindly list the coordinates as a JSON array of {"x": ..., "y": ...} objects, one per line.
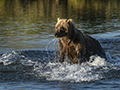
[{"x": 56, "y": 34}]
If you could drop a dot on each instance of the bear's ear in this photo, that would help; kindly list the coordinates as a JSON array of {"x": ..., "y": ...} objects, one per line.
[
  {"x": 69, "y": 21},
  {"x": 58, "y": 19}
]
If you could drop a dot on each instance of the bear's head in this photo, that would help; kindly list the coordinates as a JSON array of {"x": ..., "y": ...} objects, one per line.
[{"x": 62, "y": 27}]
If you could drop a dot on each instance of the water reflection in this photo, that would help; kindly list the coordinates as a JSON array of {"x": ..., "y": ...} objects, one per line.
[
  {"x": 29, "y": 24},
  {"x": 79, "y": 10}
]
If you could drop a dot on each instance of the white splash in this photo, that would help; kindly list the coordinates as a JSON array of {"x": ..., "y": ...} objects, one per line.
[
  {"x": 73, "y": 72},
  {"x": 52, "y": 44},
  {"x": 14, "y": 57},
  {"x": 93, "y": 70},
  {"x": 70, "y": 73},
  {"x": 97, "y": 61},
  {"x": 7, "y": 59}
]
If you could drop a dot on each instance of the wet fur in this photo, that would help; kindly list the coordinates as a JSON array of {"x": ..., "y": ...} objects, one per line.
[{"x": 73, "y": 42}]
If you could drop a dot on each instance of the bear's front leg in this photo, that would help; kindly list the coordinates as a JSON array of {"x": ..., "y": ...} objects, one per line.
[
  {"x": 79, "y": 58},
  {"x": 61, "y": 52},
  {"x": 60, "y": 56},
  {"x": 80, "y": 53}
]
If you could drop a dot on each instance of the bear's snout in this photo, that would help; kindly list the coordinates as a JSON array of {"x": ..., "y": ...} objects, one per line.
[
  {"x": 56, "y": 34},
  {"x": 60, "y": 34}
]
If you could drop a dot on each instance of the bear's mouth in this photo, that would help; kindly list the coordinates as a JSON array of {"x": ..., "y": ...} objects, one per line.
[{"x": 59, "y": 35}]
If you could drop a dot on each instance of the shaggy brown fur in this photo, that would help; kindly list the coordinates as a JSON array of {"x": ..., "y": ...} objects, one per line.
[{"x": 73, "y": 42}]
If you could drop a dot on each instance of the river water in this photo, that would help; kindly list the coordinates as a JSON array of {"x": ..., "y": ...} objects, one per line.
[{"x": 28, "y": 49}]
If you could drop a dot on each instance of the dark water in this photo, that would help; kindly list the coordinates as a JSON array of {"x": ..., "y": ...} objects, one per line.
[{"x": 28, "y": 48}]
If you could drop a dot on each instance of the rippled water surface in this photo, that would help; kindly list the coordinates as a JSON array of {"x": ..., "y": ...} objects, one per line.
[{"x": 28, "y": 50}]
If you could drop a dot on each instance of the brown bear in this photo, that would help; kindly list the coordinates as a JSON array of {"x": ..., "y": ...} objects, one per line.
[{"x": 75, "y": 44}]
